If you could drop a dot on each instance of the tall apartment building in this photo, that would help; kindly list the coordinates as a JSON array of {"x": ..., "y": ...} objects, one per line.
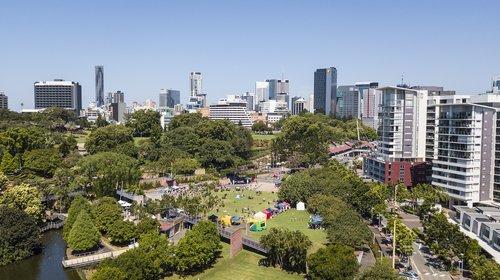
[
  {"x": 4, "y": 104},
  {"x": 197, "y": 98},
  {"x": 298, "y": 105},
  {"x": 325, "y": 91},
  {"x": 402, "y": 129},
  {"x": 99, "y": 85},
  {"x": 492, "y": 101},
  {"x": 233, "y": 109},
  {"x": 277, "y": 86},
  {"x": 169, "y": 98},
  {"x": 58, "y": 93},
  {"x": 463, "y": 141}
]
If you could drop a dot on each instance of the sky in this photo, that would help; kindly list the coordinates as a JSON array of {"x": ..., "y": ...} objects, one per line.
[{"x": 148, "y": 45}]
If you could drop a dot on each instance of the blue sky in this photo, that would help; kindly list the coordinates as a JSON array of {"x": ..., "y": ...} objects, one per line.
[{"x": 148, "y": 45}]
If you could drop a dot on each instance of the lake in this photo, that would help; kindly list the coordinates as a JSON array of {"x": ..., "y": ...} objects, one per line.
[{"x": 45, "y": 266}]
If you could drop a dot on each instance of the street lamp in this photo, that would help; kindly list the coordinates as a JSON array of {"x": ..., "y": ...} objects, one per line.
[{"x": 461, "y": 266}]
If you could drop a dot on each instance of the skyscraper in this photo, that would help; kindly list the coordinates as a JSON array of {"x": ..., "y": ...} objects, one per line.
[
  {"x": 169, "y": 98},
  {"x": 197, "y": 98},
  {"x": 99, "y": 85},
  {"x": 261, "y": 92},
  {"x": 276, "y": 87},
  {"x": 58, "y": 93},
  {"x": 4, "y": 104},
  {"x": 196, "y": 84},
  {"x": 118, "y": 97},
  {"x": 325, "y": 91}
]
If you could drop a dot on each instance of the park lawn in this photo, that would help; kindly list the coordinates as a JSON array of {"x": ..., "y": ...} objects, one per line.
[
  {"x": 295, "y": 220},
  {"x": 263, "y": 136},
  {"x": 137, "y": 140},
  {"x": 233, "y": 206},
  {"x": 244, "y": 266},
  {"x": 80, "y": 138}
]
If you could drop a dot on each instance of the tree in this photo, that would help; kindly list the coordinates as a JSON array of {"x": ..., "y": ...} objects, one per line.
[
  {"x": 108, "y": 138},
  {"x": 260, "y": 127},
  {"x": 404, "y": 236},
  {"x": 136, "y": 264},
  {"x": 183, "y": 138},
  {"x": 298, "y": 187},
  {"x": 19, "y": 235},
  {"x": 380, "y": 271},
  {"x": 121, "y": 231},
  {"x": 3, "y": 181},
  {"x": 199, "y": 248},
  {"x": 446, "y": 240},
  {"x": 217, "y": 154},
  {"x": 333, "y": 262},
  {"x": 78, "y": 204},
  {"x": 343, "y": 224},
  {"x": 43, "y": 162},
  {"x": 101, "y": 121},
  {"x": 144, "y": 123},
  {"x": 83, "y": 235},
  {"x": 286, "y": 248},
  {"x": 106, "y": 211},
  {"x": 108, "y": 273},
  {"x": 190, "y": 120},
  {"x": 23, "y": 139},
  {"x": 185, "y": 166},
  {"x": 147, "y": 225},
  {"x": 8, "y": 165},
  {"x": 485, "y": 269},
  {"x": 25, "y": 198},
  {"x": 105, "y": 171}
]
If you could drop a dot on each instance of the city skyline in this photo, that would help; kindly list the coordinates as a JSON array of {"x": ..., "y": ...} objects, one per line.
[{"x": 440, "y": 47}]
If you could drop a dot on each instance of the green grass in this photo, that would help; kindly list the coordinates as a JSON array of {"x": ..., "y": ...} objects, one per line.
[
  {"x": 137, "y": 140},
  {"x": 232, "y": 205},
  {"x": 263, "y": 136},
  {"x": 291, "y": 219},
  {"x": 244, "y": 266},
  {"x": 295, "y": 220}
]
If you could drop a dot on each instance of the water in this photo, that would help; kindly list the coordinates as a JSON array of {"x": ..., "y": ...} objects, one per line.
[{"x": 46, "y": 266}]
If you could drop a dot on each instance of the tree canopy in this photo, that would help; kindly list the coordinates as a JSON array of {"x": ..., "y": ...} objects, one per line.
[
  {"x": 287, "y": 248},
  {"x": 198, "y": 249},
  {"x": 105, "y": 171},
  {"x": 83, "y": 235},
  {"x": 19, "y": 235},
  {"x": 106, "y": 211},
  {"x": 25, "y": 198},
  {"x": 335, "y": 262},
  {"x": 109, "y": 138}
]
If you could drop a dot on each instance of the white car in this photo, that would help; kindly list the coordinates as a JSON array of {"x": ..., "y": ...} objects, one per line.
[{"x": 410, "y": 275}]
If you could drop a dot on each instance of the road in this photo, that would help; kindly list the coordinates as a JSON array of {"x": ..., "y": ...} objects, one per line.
[{"x": 423, "y": 262}]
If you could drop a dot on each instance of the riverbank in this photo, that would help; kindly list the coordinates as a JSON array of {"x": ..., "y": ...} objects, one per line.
[{"x": 45, "y": 266}]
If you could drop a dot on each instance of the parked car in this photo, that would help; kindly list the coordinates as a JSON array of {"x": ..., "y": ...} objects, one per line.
[{"x": 410, "y": 275}]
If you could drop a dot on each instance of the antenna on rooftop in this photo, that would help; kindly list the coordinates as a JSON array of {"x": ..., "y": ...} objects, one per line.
[{"x": 403, "y": 78}]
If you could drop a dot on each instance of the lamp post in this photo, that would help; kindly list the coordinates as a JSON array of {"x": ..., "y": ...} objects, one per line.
[
  {"x": 461, "y": 266},
  {"x": 394, "y": 232}
]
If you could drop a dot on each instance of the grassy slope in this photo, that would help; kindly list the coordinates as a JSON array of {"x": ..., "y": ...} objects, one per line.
[
  {"x": 242, "y": 267},
  {"x": 295, "y": 220},
  {"x": 263, "y": 136},
  {"x": 291, "y": 219},
  {"x": 233, "y": 206}
]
